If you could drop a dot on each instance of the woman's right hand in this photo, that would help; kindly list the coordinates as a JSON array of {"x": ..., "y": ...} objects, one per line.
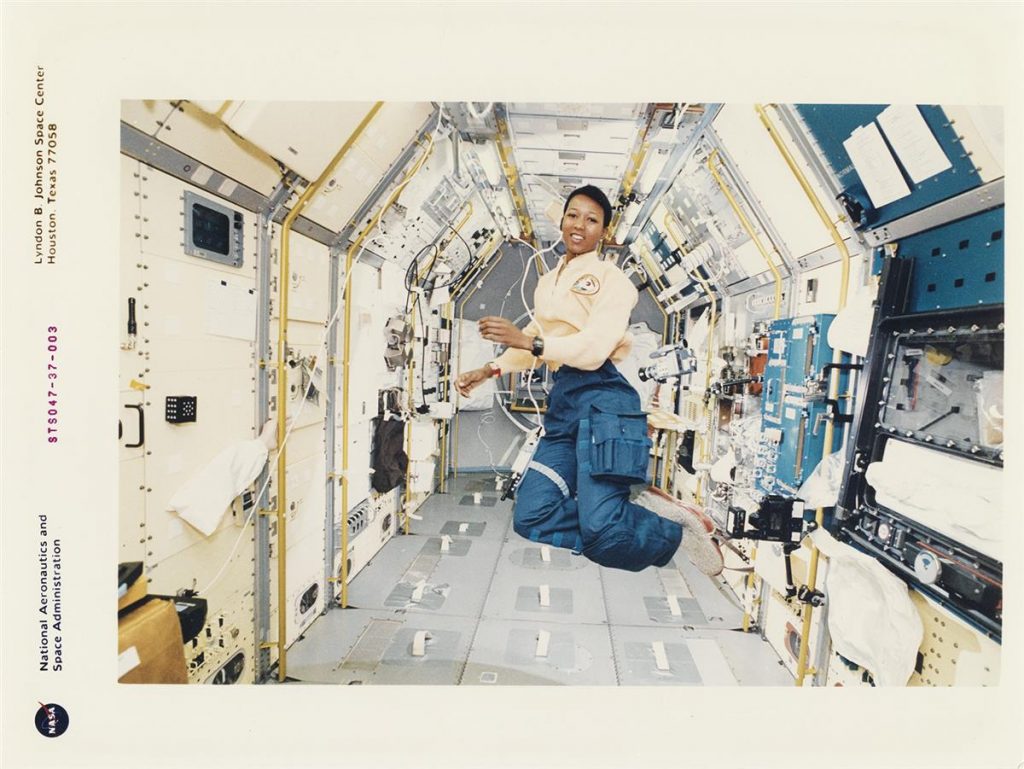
[{"x": 466, "y": 382}]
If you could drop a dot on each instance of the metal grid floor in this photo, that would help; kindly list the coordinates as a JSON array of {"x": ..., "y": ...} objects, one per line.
[{"x": 463, "y": 599}]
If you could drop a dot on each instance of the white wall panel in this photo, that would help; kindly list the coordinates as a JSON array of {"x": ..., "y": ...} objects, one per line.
[
  {"x": 829, "y": 279},
  {"x": 197, "y": 565},
  {"x": 394, "y": 126},
  {"x": 169, "y": 535},
  {"x": 750, "y": 259},
  {"x": 205, "y": 137},
  {"x": 230, "y": 608},
  {"x": 770, "y": 179},
  {"x": 307, "y": 497},
  {"x": 163, "y": 224},
  {"x": 392, "y": 297},
  {"x": 181, "y": 357},
  {"x": 305, "y": 568},
  {"x": 178, "y": 451},
  {"x": 366, "y": 353},
  {"x": 132, "y": 517},
  {"x": 422, "y": 477},
  {"x": 180, "y": 307},
  {"x": 381, "y": 527},
  {"x": 360, "y": 444},
  {"x": 304, "y": 411},
  {"x": 131, "y": 362},
  {"x": 782, "y": 627},
  {"x": 302, "y": 135},
  {"x": 424, "y": 442},
  {"x": 305, "y": 442},
  {"x": 202, "y": 136},
  {"x": 306, "y": 338},
  {"x": 309, "y": 270},
  {"x": 352, "y": 181}
]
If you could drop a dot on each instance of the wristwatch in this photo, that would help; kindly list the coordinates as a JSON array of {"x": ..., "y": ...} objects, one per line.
[{"x": 537, "y": 347}]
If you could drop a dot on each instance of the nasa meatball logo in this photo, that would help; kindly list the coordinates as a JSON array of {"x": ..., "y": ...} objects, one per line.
[
  {"x": 588, "y": 285},
  {"x": 51, "y": 720}
]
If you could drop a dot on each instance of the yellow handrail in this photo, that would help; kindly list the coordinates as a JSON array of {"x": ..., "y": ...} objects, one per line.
[
  {"x": 705, "y": 447},
  {"x": 648, "y": 261},
  {"x": 833, "y": 381},
  {"x": 468, "y": 208},
  {"x": 346, "y": 355},
  {"x": 512, "y": 175},
  {"x": 629, "y": 179},
  {"x": 669, "y": 222},
  {"x": 818, "y": 207},
  {"x": 443, "y": 385},
  {"x": 284, "y": 280},
  {"x": 750, "y": 230}
]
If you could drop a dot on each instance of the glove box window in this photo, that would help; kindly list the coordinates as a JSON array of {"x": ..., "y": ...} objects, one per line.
[{"x": 946, "y": 389}]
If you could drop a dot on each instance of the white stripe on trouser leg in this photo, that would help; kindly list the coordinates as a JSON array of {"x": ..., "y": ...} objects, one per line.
[{"x": 551, "y": 475}]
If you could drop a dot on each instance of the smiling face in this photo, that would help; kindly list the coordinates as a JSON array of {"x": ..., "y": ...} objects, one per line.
[{"x": 582, "y": 226}]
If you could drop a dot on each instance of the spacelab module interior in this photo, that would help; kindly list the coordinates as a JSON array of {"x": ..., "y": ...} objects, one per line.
[{"x": 818, "y": 344}]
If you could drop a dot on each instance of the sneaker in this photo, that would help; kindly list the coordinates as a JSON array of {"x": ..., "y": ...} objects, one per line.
[
  {"x": 703, "y": 552},
  {"x": 697, "y": 544},
  {"x": 667, "y": 506}
]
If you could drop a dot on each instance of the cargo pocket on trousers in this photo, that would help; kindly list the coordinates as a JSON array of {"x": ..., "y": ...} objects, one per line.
[{"x": 619, "y": 446}]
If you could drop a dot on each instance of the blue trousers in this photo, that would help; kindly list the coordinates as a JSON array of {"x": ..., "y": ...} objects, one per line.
[{"x": 560, "y": 502}]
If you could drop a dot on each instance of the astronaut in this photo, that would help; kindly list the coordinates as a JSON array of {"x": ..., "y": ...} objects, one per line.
[{"x": 575, "y": 492}]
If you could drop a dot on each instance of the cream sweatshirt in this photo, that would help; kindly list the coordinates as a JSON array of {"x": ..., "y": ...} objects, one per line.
[{"x": 582, "y": 311}]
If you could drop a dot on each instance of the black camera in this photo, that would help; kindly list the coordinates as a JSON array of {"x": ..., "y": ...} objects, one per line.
[{"x": 673, "y": 362}]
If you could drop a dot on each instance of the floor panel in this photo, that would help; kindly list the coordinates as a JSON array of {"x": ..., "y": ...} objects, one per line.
[{"x": 462, "y": 599}]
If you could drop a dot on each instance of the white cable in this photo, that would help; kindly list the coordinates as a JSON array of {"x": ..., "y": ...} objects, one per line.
[
  {"x": 322, "y": 347},
  {"x": 489, "y": 415},
  {"x": 522, "y": 294},
  {"x": 487, "y": 418}
]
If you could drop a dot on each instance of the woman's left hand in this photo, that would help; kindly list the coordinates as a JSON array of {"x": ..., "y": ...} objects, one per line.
[{"x": 504, "y": 332}]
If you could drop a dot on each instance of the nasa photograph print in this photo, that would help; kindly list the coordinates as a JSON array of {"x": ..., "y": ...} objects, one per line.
[
  {"x": 610, "y": 394},
  {"x": 654, "y": 354}
]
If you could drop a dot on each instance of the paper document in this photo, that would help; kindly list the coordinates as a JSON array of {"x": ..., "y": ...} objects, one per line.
[
  {"x": 875, "y": 166},
  {"x": 913, "y": 141}
]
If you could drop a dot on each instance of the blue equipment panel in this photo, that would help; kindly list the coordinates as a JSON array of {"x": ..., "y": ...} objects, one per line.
[
  {"x": 959, "y": 264},
  {"x": 832, "y": 124},
  {"x": 793, "y": 408}
]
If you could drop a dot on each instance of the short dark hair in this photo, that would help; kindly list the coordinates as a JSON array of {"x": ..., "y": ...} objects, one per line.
[{"x": 595, "y": 194}]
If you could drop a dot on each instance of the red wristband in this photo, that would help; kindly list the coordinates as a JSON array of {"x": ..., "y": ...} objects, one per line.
[{"x": 495, "y": 371}]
